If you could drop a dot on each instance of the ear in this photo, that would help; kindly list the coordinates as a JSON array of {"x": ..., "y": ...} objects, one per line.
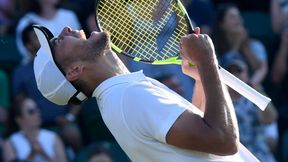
[{"x": 74, "y": 72}]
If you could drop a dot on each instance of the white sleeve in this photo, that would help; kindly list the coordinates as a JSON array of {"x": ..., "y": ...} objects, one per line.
[{"x": 150, "y": 111}]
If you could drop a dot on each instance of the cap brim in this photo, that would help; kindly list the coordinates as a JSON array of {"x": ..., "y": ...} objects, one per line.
[
  {"x": 73, "y": 95},
  {"x": 45, "y": 36}
]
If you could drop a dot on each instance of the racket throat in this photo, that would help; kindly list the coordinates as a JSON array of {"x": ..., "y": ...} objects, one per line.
[{"x": 173, "y": 60}]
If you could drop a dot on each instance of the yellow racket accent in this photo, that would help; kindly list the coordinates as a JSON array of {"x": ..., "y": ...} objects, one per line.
[{"x": 148, "y": 30}]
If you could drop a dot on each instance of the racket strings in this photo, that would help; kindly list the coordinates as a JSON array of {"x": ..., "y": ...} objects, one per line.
[
  {"x": 111, "y": 24},
  {"x": 121, "y": 24},
  {"x": 146, "y": 34},
  {"x": 136, "y": 29},
  {"x": 162, "y": 24}
]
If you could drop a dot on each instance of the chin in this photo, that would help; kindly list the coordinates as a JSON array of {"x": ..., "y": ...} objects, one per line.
[{"x": 104, "y": 42}]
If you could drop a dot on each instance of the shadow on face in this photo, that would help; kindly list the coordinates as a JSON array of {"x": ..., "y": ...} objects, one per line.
[
  {"x": 239, "y": 71},
  {"x": 232, "y": 20},
  {"x": 30, "y": 115}
]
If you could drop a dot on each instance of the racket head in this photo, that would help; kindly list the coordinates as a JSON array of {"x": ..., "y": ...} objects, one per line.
[{"x": 146, "y": 31}]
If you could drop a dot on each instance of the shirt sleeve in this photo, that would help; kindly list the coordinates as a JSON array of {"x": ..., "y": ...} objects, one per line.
[
  {"x": 150, "y": 111},
  {"x": 259, "y": 50}
]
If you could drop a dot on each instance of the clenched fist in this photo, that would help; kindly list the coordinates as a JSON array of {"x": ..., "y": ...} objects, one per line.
[{"x": 197, "y": 48}]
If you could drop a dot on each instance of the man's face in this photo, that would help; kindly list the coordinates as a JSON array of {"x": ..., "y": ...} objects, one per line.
[{"x": 72, "y": 45}]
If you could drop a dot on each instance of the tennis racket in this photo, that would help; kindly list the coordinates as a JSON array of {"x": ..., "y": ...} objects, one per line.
[{"x": 149, "y": 31}]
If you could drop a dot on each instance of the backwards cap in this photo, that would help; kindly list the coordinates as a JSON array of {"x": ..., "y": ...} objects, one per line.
[{"x": 50, "y": 78}]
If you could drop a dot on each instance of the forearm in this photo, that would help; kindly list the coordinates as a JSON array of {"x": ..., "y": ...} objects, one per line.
[
  {"x": 268, "y": 116},
  {"x": 59, "y": 151},
  {"x": 215, "y": 131},
  {"x": 282, "y": 54},
  {"x": 74, "y": 111},
  {"x": 279, "y": 65},
  {"x": 276, "y": 15},
  {"x": 252, "y": 61},
  {"x": 219, "y": 113},
  {"x": 198, "y": 98},
  {"x": 259, "y": 75}
]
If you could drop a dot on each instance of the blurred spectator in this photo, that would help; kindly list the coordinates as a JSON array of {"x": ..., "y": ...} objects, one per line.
[
  {"x": 4, "y": 100},
  {"x": 46, "y": 13},
  {"x": 279, "y": 14},
  {"x": 27, "y": 141},
  {"x": 202, "y": 13},
  {"x": 100, "y": 152},
  {"x": 247, "y": 5},
  {"x": 7, "y": 16},
  {"x": 90, "y": 23},
  {"x": 253, "y": 123},
  {"x": 272, "y": 136},
  {"x": 230, "y": 36},
  {"x": 22, "y": 7},
  {"x": 280, "y": 80},
  {"x": 279, "y": 17},
  {"x": 80, "y": 7},
  {"x": 58, "y": 118}
]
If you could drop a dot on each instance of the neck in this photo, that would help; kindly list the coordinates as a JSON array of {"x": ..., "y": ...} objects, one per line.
[
  {"x": 48, "y": 11},
  {"x": 106, "y": 66},
  {"x": 30, "y": 131}
]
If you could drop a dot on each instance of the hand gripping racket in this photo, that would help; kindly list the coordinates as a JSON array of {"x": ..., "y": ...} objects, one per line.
[{"x": 150, "y": 31}]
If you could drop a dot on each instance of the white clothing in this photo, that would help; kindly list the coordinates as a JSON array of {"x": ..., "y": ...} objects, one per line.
[
  {"x": 271, "y": 131},
  {"x": 22, "y": 146},
  {"x": 139, "y": 111},
  {"x": 62, "y": 19},
  {"x": 258, "y": 49}
]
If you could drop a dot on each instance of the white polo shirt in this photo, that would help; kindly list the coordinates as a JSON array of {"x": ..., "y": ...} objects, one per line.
[{"x": 139, "y": 111}]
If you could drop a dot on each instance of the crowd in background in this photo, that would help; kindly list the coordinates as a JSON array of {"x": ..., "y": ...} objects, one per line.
[{"x": 251, "y": 42}]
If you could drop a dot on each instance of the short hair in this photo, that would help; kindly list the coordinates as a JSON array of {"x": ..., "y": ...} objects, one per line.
[
  {"x": 26, "y": 32},
  {"x": 98, "y": 149},
  {"x": 14, "y": 112}
]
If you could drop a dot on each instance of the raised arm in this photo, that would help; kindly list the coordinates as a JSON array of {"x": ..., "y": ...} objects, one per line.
[
  {"x": 217, "y": 131},
  {"x": 279, "y": 67},
  {"x": 8, "y": 152},
  {"x": 59, "y": 151},
  {"x": 277, "y": 15}
]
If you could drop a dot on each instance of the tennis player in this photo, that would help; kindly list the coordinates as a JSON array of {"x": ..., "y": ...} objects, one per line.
[{"x": 149, "y": 121}]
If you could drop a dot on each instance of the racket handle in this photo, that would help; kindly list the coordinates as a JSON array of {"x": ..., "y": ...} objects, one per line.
[{"x": 244, "y": 89}]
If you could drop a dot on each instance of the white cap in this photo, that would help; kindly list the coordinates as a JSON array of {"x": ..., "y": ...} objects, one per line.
[{"x": 50, "y": 78}]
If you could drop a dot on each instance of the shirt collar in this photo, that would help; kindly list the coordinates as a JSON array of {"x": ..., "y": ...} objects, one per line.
[{"x": 120, "y": 79}]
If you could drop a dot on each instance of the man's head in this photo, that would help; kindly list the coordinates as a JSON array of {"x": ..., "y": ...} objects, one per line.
[
  {"x": 26, "y": 114},
  {"x": 100, "y": 152},
  {"x": 72, "y": 50},
  {"x": 234, "y": 63},
  {"x": 30, "y": 40},
  {"x": 62, "y": 62}
]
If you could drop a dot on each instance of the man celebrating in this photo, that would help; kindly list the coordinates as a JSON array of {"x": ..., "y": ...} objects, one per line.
[{"x": 148, "y": 120}]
